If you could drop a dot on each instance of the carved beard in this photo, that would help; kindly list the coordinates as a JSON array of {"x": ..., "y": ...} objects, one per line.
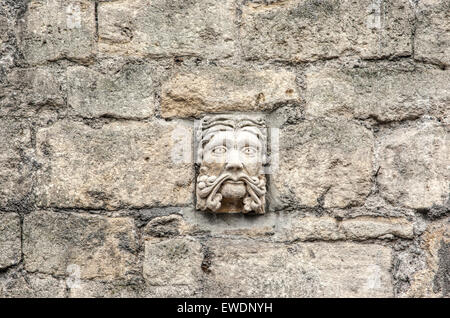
[{"x": 208, "y": 196}]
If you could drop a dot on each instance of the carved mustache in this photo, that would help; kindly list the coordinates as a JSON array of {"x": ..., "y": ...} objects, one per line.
[{"x": 208, "y": 186}]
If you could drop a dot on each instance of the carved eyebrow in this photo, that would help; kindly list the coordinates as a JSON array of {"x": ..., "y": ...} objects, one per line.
[
  {"x": 219, "y": 142},
  {"x": 250, "y": 141}
]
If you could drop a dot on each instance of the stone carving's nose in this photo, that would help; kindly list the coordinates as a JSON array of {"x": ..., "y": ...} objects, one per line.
[{"x": 233, "y": 161}]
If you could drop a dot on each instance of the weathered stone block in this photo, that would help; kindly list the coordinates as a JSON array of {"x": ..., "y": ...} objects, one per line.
[
  {"x": 168, "y": 226},
  {"x": 57, "y": 29},
  {"x": 215, "y": 90},
  {"x": 323, "y": 163},
  {"x": 432, "y": 278},
  {"x": 20, "y": 284},
  {"x": 298, "y": 270},
  {"x": 101, "y": 247},
  {"x": 29, "y": 90},
  {"x": 118, "y": 165},
  {"x": 15, "y": 165},
  {"x": 10, "y": 240},
  {"x": 413, "y": 166},
  {"x": 126, "y": 94},
  {"x": 280, "y": 227},
  {"x": 368, "y": 228},
  {"x": 101, "y": 289},
  {"x": 173, "y": 262},
  {"x": 385, "y": 92},
  {"x": 308, "y": 30},
  {"x": 432, "y": 36},
  {"x": 328, "y": 228},
  {"x": 167, "y": 28}
]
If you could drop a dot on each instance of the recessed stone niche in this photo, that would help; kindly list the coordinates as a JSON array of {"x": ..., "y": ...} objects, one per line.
[{"x": 231, "y": 155}]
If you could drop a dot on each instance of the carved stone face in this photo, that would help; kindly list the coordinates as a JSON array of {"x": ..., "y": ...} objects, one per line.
[{"x": 232, "y": 152}]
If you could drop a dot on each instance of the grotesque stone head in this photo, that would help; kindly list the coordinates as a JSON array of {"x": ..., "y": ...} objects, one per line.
[{"x": 231, "y": 154}]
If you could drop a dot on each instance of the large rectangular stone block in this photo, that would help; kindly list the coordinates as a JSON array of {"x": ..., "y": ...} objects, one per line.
[
  {"x": 28, "y": 91},
  {"x": 16, "y": 171},
  {"x": 57, "y": 29},
  {"x": 84, "y": 246},
  {"x": 413, "y": 166},
  {"x": 298, "y": 270},
  {"x": 212, "y": 90},
  {"x": 126, "y": 94},
  {"x": 279, "y": 227},
  {"x": 126, "y": 164},
  {"x": 329, "y": 229},
  {"x": 173, "y": 262},
  {"x": 432, "y": 36},
  {"x": 309, "y": 30},
  {"x": 323, "y": 163},
  {"x": 17, "y": 283},
  {"x": 10, "y": 239},
  {"x": 167, "y": 28},
  {"x": 431, "y": 279},
  {"x": 385, "y": 92}
]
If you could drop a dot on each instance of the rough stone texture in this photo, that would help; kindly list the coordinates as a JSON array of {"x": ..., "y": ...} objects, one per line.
[
  {"x": 117, "y": 165},
  {"x": 168, "y": 226},
  {"x": 280, "y": 227},
  {"x": 20, "y": 284},
  {"x": 432, "y": 36},
  {"x": 214, "y": 90},
  {"x": 29, "y": 91},
  {"x": 360, "y": 228},
  {"x": 126, "y": 94},
  {"x": 323, "y": 163},
  {"x": 102, "y": 247},
  {"x": 10, "y": 239},
  {"x": 16, "y": 168},
  {"x": 309, "y": 30},
  {"x": 300, "y": 270},
  {"x": 58, "y": 29},
  {"x": 433, "y": 279},
  {"x": 413, "y": 166},
  {"x": 173, "y": 262},
  {"x": 382, "y": 91},
  {"x": 10, "y": 11},
  {"x": 101, "y": 289},
  {"x": 98, "y": 99},
  {"x": 167, "y": 28}
]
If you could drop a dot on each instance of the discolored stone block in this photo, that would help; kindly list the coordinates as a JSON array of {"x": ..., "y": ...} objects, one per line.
[
  {"x": 385, "y": 92},
  {"x": 298, "y": 270},
  {"x": 10, "y": 239},
  {"x": 58, "y": 29},
  {"x": 161, "y": 28},
  {"x": 330, "y": 229},
  {"x": 16, "y": 168},
  {"x": 125, "y": 94},
  {"x": 173, "y": 262},
  {"x": 309, "y": 30},
  {"x": 326, "y": 163},
  {"x": 432, "y": 36},
  {"x": 122, "y": 164},
  {"x": 413, "y": 166},
  {"x": 213, "y": 90},
  {"x": 99, "y": 247},
  {"x": 28, "y": 91}
]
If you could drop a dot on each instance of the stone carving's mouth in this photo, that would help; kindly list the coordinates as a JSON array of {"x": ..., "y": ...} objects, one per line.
[
  {"x": 233, "y": 182},
  {"x": 208, "y": 188}
]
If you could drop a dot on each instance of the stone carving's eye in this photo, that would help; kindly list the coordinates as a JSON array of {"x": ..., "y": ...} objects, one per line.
[
  {"x": 219, "y": 150},
  {"x": 249, "y": 151}
]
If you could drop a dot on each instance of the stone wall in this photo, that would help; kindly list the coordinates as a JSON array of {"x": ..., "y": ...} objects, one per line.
[{"x": 91, "y": 92}]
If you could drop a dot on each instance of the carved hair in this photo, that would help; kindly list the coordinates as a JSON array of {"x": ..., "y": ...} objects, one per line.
[{"x": 210, "y": 125}]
